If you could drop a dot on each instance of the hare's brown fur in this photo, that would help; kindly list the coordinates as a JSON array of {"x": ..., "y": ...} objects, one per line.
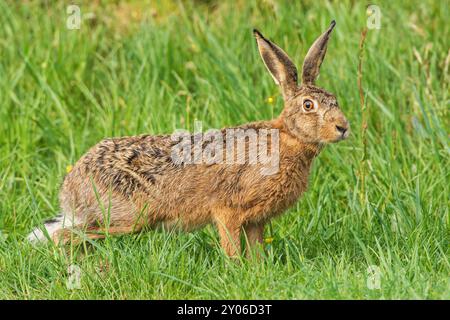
[
  {"x": 135, "y": 180},
  {"x": 132, "y": 183}
]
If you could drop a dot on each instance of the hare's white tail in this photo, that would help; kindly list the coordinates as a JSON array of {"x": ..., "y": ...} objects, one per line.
[{"x": 49, "y": 228}]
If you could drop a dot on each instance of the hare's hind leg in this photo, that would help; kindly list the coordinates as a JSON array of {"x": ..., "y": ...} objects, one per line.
[
  {"x": 65, "y": 236},
  {"x": 62, "y": 230},
  {"x": 50, "y": 228}
]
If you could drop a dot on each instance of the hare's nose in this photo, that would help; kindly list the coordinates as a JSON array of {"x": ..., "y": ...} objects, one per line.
[{"x": 342, "y": 130}]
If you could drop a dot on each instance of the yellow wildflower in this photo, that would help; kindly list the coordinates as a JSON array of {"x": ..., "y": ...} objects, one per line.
[
  {"x": 270, "y": 100},
  {"x": 268, "y": 240},
  {"x": 69, "y": 168}
]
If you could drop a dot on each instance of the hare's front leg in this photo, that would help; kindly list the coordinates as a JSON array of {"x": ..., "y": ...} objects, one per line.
[
  {"x": 230, "y": 233},
  {"x": 254, "y": 236}
]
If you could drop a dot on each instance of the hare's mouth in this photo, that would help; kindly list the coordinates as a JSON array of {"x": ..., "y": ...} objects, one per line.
[{"x": 342, "y": 136}]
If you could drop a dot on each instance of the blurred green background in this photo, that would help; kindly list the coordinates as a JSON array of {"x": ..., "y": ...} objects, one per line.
[{"x": 379, "y": 199}]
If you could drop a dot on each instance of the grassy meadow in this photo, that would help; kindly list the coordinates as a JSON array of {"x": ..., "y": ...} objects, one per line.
[{"x": 374, "y": 223}]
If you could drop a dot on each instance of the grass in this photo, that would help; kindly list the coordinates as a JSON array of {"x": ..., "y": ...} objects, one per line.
[{"x": 379, "y": 199}]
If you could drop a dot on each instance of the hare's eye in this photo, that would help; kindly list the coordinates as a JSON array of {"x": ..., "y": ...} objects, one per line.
[{"x": 308, "y": 105}]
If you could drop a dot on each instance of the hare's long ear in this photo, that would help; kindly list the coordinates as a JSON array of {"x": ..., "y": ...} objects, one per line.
[
  {"x": 283, "y": 71},
  {"x": 315, "y": 55}
]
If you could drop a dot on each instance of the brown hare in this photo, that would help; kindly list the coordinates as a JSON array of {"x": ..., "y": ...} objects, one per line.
[{"x": 129, "y": 184}]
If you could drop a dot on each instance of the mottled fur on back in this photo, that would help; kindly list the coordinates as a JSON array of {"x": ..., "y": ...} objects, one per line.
[{"x": 131, "y": 183}]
